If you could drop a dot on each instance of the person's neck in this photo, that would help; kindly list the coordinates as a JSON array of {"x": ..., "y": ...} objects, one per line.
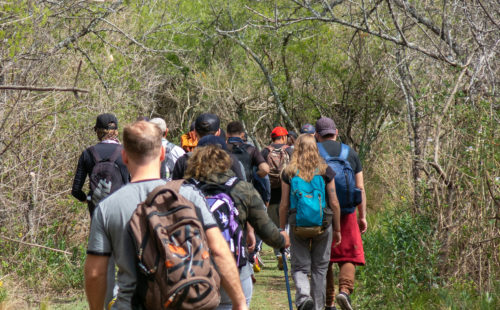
[{"x": 144, "y": 172}]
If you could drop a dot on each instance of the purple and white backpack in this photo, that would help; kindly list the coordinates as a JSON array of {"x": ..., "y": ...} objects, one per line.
[{"x": 226, "y": 214}]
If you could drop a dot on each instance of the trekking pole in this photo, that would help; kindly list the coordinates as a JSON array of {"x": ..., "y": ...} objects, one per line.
[{"x": 285, "y": 269}]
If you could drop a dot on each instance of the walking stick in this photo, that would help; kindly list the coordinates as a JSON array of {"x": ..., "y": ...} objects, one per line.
[{"x": 285, "y": 268}]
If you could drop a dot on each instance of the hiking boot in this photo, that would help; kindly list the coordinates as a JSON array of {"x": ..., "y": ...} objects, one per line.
[
  {"x": 280, "y": 263},
  {"x": 308, "y": 304},
  {"x": 344, "y": 301}
]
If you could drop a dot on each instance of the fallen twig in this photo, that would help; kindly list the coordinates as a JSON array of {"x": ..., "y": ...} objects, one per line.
[{"x": 35, "y": 245}]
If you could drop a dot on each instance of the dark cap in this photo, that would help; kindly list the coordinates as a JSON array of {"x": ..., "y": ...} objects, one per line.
[
  {"x": 207, "y": 123},
  {"x": 308, "y": 128},
  {"x": 213, "y": 140},
  {"x": 278, "y": 132},
  {"x": 104, "y": 121},
  {"x": 325, "y": 126},
  {"x": 292, "y": 134}
]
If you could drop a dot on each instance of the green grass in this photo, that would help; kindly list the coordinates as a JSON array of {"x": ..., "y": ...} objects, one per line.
[{"x": 270, "y": 289}]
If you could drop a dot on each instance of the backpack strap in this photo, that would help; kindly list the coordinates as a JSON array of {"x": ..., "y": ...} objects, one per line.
[
  {"x": 95, "y": 154},
  {"x": 173, "y": 187},
  {"x": 344, "y": 151},
  {"x": 322, "y": 151},
  {"x": 117, "y": 153}
]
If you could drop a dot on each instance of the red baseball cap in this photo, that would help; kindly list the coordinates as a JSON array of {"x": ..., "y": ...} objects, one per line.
[{"x": 278, "y": 132}]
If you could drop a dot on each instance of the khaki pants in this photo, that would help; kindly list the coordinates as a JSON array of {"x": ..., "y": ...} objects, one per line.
[{"x": 346, "y": 281}]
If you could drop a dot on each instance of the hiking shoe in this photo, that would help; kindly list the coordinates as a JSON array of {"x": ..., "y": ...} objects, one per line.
[
  {"x": 308, "y": 304},
  {"x": 280, "y": 263},
  {"x": 344, "y": 301}
]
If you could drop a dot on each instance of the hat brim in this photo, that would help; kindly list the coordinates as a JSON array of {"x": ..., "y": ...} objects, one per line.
[{"x": 325, "y": 132}]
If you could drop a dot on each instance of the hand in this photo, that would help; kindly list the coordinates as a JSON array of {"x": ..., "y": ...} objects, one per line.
[
  {"x": 363, "y": 225},
  {"x": 287, "y": 238},
  {"x": 251, "y": 242},
  {"x": 240, "y": 307},
  {"x": 337, "y": 238}
]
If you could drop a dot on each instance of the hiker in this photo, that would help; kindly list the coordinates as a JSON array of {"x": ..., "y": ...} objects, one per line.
[
  {"x": 308, "y": 128},
  {"x": 350, "y": 251},
  {"x": 277, "y": 156},
  {"x": 108, "y": 153},
  {"x": 206, "y": 124},
  {"x": 208, "y": 167},
  {"x": 172, "y": 151},
  {"x": 143, "y": 154},
  {"x": 247, "y": 154},
  {"x": 256, "y": 170},
  {"x": 292, "y": 137},
  {"x": 189, "y": 139},
  {"x": 308, "y": 201}
]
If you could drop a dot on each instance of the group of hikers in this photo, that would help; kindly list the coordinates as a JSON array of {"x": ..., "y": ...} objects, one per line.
[{"x": 179, "y": 227}]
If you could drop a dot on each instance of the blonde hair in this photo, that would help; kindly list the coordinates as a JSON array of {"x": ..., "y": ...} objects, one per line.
[
  {"x": 305, "y": 159},
  {"x": 207, "y": 160},
  {"x": 142, "y": 141}
]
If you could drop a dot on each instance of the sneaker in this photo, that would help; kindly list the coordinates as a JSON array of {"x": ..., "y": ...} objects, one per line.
[
  {"x": 256, "y": 266},
  {"x": 280, "y": 263},
  {"x": 308, "y": 304},
  {"x": 344, "y": 301}
]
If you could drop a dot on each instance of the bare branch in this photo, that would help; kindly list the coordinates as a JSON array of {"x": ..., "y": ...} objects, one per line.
[{"x": 36, "y": 88}]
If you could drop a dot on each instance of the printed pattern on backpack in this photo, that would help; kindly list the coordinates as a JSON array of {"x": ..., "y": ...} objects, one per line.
[
  {"x": 106, "y": 176},
  {"x": 277, "y": 159},
  {"x": 175, "y": 269},
  {"x": 307, "y": 200},
  {"x": 226, "y": 215},
  {"x": 348, "y": 194}
]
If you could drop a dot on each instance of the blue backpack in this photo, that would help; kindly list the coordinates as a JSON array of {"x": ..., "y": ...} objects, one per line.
[
  {"x": 307, "y": 200},
  {"x": 348, "y": 194}
]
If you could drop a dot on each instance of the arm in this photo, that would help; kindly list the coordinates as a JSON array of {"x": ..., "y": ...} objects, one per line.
[
  {"x": 227, "y": 267},
  {"x": 247, "y": 197},
  {"x": 284, "y": 204},
  {"x": 363, "y": 225},
  {"x": 95, "y": 280},
  {"x": 335, "y": 206},
  {"x": 79, "y": 180},
  {"x": 251, "y": 241},
  {"x": 263, "y": 169},
  {"x": 283, "y": 210}
]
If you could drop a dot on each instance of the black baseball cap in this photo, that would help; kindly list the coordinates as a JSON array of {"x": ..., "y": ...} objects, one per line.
[
  {"x": 106, "y": 121},
  {"x": 207, "y": 123}
]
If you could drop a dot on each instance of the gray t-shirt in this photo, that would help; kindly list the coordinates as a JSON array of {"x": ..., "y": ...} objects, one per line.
[{"x": 108, "y": 231}]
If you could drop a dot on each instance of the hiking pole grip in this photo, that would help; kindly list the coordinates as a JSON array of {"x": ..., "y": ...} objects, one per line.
[{"x": 285, "y": 269}]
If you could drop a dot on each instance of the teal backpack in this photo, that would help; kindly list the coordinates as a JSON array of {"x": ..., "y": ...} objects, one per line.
[{"x": 307, "y": 200}]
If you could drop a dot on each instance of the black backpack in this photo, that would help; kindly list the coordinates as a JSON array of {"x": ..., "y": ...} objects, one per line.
[
  {"x": 240, "y": 151},
  {"x": 106, "y": 176},
  {"x": 222, "y": 207}
]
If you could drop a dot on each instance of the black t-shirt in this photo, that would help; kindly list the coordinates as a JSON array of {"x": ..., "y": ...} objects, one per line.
[
  {"x": 86, "y": 163},
  {"x": 276, "y": 192},
  {"x": 333, "y": 149},
  {"x": 255, "y": 155}
]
